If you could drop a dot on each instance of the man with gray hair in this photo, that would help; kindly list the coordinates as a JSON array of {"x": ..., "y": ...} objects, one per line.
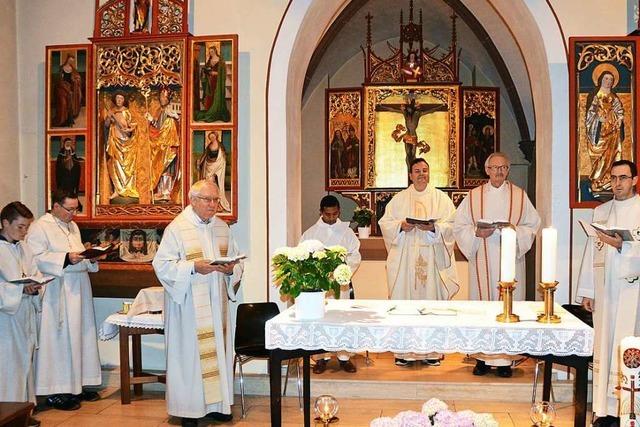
[
  {"x": 495, "y": 201},
  {"x": 196, "y": 315}
]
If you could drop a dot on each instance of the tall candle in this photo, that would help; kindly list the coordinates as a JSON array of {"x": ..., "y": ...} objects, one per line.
[
  {"x": 549, "y": 251},
  {"x": 508, "y": 255}
]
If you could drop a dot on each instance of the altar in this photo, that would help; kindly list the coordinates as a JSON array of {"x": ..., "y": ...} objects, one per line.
[{"x": 427, "y": 326}]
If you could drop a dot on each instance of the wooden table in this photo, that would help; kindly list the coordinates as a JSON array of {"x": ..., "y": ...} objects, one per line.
[
  {"x": 374, "y": 326},
  {"x": 134, "y": 327},
  {"x": 15, "y": 414}
]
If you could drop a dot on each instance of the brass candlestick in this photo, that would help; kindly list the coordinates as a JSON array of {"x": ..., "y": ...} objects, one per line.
[
  {"x": 507, "y": 316},
  {"x": 548, "y": 316}
]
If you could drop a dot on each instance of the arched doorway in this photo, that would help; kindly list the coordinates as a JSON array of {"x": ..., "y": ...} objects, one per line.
[{"x": 534, "y": 30}]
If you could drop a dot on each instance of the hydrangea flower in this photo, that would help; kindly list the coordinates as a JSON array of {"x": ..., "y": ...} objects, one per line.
[{"x": 342, "y": 274}]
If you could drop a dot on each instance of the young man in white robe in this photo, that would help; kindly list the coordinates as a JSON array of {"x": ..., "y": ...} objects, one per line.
[
  {"x": 19, "y": 306},
  {"x": 197, "y": 317},
  {"x": 420, "y": 263},
  {"x": 497, "y": 200},
  {"x": 608, "y": 286},
  {"x": 331, "y": 231},
  {"x": 67, "y": 359}
]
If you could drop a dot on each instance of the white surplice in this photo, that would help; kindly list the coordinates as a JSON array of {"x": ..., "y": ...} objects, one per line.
[
  {"x": 18, "y": 327},
  {"x": 185, "y": 392},
  {"x": 506, "y": 203},
  {"x": 338, "y": 233},
  {"x": 67, "y": 358},
  {"x": 612, "y": 279},
  {"x": 341, "y": 234},
  {"x": 420, "y": 264}
]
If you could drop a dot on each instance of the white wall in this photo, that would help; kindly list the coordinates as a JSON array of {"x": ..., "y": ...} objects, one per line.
[{"x": 9, "y": 102}]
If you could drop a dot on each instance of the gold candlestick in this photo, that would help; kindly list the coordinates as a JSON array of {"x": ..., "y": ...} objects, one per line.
[
  {"x": 507, "y": 315},
  {"x": 548, "y": 316}
]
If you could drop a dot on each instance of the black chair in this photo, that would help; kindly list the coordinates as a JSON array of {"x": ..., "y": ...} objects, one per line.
[
  {"x": 249, "y": 339},
  {"x": 582, "y": 314}
]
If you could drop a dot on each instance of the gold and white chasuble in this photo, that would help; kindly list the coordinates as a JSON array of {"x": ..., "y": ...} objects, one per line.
[
  {"x": 420, "y": 264},
  {"x": 197, "y": 316}
]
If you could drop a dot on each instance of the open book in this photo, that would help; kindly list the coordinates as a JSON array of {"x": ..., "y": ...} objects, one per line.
[
  {"x": 487, "y": 223},
  {"x": 96, "y": 251},
  {"x": 38, "y": 280},
  {"x": 590, "y": 230},
  {"x": 227, "y": 259},
  {"x": 420, "y": 221}
]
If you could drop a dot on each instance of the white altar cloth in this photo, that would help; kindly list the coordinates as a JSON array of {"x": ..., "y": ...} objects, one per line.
[
  {"x": 111, "y": 325},
  {"x": 456, "y": 327}
]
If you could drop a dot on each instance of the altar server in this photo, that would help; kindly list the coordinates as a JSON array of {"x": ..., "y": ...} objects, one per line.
[
  {"x": 67, "y": 359},
  {"x": 19, "y": 306},
  {"x": 197, "y": 317}
]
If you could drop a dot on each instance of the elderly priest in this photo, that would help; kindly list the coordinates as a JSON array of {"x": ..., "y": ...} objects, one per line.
[{"x": 197, "y": 318}]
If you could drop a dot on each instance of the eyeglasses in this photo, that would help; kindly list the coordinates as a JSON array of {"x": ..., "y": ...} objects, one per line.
[
  {"x": 209, "y": 199},
  {"x": 70, "y": 210},
  {"x": 621, "y": 178},
  {"x": 498, "y": 168}
]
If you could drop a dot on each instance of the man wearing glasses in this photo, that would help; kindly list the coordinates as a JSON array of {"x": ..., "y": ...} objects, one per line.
[
  {"x": 496, "y": 201},
  {"x": 608, "y": 286},
  {"x": 67, "y": 359},
  {"x": 197, "y": 318}
]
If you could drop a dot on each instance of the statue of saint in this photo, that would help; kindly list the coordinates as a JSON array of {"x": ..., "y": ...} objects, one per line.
[
  {"x": 141, "y": 16},
  {"x": 121, "y": 148}
]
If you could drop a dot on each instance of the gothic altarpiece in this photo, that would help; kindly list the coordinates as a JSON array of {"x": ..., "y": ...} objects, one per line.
[
  {"x": 410, "y": 105},
  {"x": 135, "y": 117}
]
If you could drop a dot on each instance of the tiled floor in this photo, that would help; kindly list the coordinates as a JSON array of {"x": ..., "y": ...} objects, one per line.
[{"x": 150, "y": 409}]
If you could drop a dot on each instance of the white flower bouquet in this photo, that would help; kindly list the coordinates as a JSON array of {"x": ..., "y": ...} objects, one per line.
[{"x": 310, "y": 267}]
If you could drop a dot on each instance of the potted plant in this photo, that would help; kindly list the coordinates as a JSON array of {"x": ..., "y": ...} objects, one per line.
[
  {"x": 307, "y": 271},
  {"x": 363, "y": 217}
]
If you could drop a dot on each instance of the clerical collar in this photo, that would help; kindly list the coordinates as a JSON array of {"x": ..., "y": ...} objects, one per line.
[
  {"x": 324, "y": 224},
  {"x": 197, "y": 219},
  {"x": 426, "y": 189},
  {"x": 15, "y": 242},
  {"x": 490, "y": 186}
]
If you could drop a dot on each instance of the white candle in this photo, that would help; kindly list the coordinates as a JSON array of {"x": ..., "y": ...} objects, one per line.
[
  {"x": 549, "y": 251},
  {"x": 508, "y": 255}
]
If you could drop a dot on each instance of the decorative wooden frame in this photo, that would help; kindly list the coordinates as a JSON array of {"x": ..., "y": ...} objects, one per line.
[
  {"x": 227, "y": 49},
  {"x": 159, "y": 64},
  {"x": 344, "y": 116},
  {"x": 117, "y": 18},
  {"x": 590, "y": 57},
  {"x": 480, "y": 114},
  {"x": 77, "y": 178},
  {"x": 447, "y": 96}
]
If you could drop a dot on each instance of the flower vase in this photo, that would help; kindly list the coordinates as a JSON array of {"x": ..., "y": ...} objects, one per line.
[
  {"x": 310, "y": 305},
  {"x": 364, "y": 232}
]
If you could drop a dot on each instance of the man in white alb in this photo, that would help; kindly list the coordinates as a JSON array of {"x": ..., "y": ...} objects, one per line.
[
  {"x": 67, "y": 358},
  {"x": 608, "y": 285},
  {"x": 197, "y": 317},
  {"x": 420, "y": 263},
  {"x": 497, "y": 200},
  {"x": 19, "y": 304},
  {"x": 331, "y": 231}
]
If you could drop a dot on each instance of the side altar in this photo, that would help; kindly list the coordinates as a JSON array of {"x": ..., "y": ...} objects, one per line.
[
  {"x": 132, "y": 119},
  {"x": 411, "y": 104}
]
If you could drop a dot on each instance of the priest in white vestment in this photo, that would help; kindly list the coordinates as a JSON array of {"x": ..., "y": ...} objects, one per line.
[
  {"x": 608, "y": 285},
  {"x": 497, "y": 200},
  {"x": 19, "y": 306},
  {"x": 197, "y": 317},
  {"x": 67, "y": 359},
  {"x": 420, "y": 262},
  {"x": 331, "y": 231}
]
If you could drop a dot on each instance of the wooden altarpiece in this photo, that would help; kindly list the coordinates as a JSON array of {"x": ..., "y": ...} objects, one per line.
[
  {"x": 411, "y": 104},
  {"x": 132, "y": 120}
]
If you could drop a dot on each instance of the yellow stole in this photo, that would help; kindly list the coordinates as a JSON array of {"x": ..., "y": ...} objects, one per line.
[{"x": 200, "y": 291}]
